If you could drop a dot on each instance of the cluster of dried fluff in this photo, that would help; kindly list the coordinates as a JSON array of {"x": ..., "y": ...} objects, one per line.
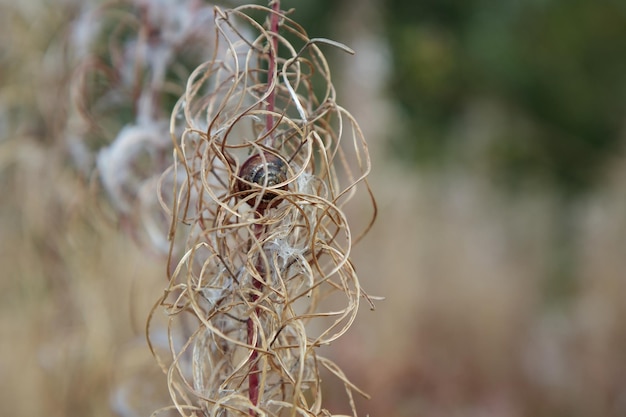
[
  {"x": 253, "y": 290},
  {"x": 131, "y": 60}
]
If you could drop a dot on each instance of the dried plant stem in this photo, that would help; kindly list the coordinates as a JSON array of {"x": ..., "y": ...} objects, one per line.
[
  {"x": 273, "y": 50},
  {"x": 259, "y": 234},
  {"x": 253, "y": 378}
]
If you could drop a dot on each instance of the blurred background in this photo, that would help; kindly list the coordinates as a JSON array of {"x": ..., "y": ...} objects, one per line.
[{"x": 497, "y": 132}]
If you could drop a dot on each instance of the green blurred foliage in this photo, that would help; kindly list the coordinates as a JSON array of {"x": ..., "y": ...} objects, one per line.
[{"x": 560, "y": 65}]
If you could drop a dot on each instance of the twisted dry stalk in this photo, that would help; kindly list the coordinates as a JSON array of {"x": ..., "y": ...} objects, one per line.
[{"x": 260, "y": 276}]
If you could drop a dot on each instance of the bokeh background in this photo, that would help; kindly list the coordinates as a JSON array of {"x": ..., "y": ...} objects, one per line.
[{"x": 497, "y": 132}]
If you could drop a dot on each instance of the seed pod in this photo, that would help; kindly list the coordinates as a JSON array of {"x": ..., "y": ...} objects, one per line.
[{"x": 266, "y": 171}]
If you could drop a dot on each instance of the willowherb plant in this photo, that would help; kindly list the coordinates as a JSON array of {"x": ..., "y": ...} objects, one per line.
[
  {"x": 259, "y": 269},
  {"x": 132, "y": 58}
]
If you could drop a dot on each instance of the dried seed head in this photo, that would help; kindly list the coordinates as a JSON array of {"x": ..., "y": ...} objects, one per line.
[
  {"x": 255, "y": 283},
  {"x": 259, "y": 174}
]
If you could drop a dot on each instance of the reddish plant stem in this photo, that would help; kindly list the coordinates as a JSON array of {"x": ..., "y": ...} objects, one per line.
[
  {"x": 253, "y": 377},
  {"x": 271, "y": 68}
]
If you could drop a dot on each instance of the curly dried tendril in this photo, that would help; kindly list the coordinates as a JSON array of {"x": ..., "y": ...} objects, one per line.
[{"x": 260, "y": 242}]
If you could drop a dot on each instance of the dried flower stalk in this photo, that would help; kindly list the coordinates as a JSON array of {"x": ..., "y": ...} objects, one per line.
[{"x": 259, "y": 270}]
